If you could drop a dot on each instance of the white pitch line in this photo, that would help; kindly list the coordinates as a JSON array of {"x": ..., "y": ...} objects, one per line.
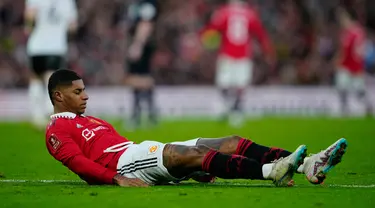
[
  {"x": 39, "y": 181},
  {"x": 217, "y": 183},
  {"x": 328, "y": 185}
]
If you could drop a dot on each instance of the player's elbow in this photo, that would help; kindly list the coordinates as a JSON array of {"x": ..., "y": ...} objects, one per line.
[
  {"x": 74, "y": 164},
  {"x": 90, "y": 181}
]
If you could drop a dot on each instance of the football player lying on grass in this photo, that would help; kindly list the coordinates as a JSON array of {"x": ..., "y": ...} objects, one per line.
[{"x": 92, "y": 148}]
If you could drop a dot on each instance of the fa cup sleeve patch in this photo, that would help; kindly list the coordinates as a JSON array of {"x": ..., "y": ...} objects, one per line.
[{"x": 54, "y": 142}]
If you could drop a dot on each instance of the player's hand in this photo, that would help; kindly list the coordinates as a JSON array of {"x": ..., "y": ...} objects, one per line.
[
  {"x": 129, "y": 182},
  {"x": 135, "y": 51}
]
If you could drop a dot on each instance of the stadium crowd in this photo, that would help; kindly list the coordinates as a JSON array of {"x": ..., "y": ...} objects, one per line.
[{"x": 303, "y": 33}]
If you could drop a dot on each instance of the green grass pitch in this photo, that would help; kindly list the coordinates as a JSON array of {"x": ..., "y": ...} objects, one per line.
[{"x": 23, "y": 156}]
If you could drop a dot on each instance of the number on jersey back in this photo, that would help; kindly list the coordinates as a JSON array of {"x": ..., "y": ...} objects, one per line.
[{"x": 237, "y": 29}]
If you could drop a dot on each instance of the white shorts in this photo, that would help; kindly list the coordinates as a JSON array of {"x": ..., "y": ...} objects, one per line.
[
  {"x": 233, "y": 72},
  {"x": 145, "y": 161},
  {"x": 345, "y": 80}
]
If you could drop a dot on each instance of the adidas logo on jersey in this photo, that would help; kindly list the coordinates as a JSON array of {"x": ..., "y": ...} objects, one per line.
[{"x": 79, "y": 126}]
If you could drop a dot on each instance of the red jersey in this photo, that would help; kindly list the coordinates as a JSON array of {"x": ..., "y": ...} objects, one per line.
[
  {"x": 88, "y": 146},
  {"x": 238, "y": 24},
  {"x": 353, "y": 49}
]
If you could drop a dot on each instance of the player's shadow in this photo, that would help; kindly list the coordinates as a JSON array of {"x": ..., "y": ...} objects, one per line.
[
  {"x": 224, "y": 184},
  {"x": 236, "y": 185}
]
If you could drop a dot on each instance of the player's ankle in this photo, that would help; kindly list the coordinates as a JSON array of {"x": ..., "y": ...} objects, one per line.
[{"x": 267, "y": 170}]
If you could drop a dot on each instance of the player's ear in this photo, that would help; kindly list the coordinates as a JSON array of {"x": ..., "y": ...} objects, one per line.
[{"x": 58, "y": 96}]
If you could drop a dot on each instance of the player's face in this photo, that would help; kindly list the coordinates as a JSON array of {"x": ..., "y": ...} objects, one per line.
[{"x": 75, "y": 97}]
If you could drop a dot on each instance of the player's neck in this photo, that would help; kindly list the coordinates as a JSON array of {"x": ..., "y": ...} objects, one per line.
[{"x": 62, "y": 110}]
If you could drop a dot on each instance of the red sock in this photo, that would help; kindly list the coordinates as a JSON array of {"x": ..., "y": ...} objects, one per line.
[
  {"x": 231, "y": 166},
  {"x": 261, "y": 154}
]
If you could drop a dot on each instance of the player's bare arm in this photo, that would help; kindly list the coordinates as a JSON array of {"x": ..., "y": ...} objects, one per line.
[{"x": 143, "y": 31}]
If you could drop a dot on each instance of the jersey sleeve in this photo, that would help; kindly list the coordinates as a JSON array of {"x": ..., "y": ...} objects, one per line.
[
  {"x": 63, "y": 148},
  {"x": 359, "y": 46},
  {"x": 217, "y": 21},
  {"x": 256, "y": 28}
]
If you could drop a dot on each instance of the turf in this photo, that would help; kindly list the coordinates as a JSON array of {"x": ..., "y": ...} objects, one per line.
[{"x": 24, "y": 156}]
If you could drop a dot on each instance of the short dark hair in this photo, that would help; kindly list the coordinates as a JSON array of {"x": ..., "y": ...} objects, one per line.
[{"x": 61, "y": 77}]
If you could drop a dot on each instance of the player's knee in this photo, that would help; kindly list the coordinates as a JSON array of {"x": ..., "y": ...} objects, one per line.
[
  {"x": 201, "y": 149},
  {"x": 195, "y": 156},
  {"x": 230, "y": 145},
  {"x": 235, "y": 138},
  {"x": 184, "y": 156}
]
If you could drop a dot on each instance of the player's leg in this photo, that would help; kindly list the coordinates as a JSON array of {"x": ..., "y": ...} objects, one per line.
[
  {"x": 343, "y": 83},
  {"x": 132, "y": 81},
  {"x": 181, "y": 160},
  {"x": 245, "y": 147},
  {"x": 242, "y": 76},
  {"x": 222, "y": 81},
  {"x": 150, "y": 86},
  {"x": 36, "y": 91},
  {"x": 157, "y": 163},
  {"x": 239, "y": 146},
  {"x": 359, "y": 86},
  {"x": 324, "y": 160}
]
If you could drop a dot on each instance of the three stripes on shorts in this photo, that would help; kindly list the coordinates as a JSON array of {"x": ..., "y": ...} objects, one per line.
[{"x": 138, "y": 165}]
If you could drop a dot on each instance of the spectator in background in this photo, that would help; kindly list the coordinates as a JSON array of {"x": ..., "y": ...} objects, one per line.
[
  {"x": 142, "y": 15},
  {"x": 48, "y": 22},
  {"x": 97, "y": 52}
]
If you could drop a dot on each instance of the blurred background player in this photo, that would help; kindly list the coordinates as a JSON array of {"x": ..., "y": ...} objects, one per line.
[
  {"x": 350, "y": 72},
  {"x": 238, "y": 23},
  {"x": 48, "y": 23},
  {"x": 142, "y": 15}
]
